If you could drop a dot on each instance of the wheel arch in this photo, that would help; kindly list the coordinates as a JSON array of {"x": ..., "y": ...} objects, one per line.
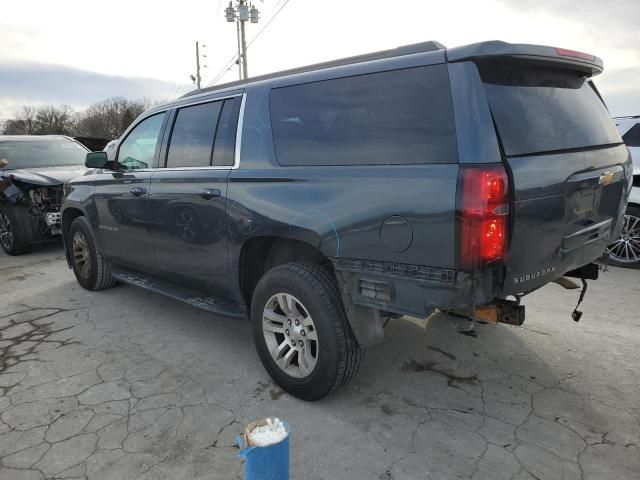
[
  {"x": 69, "y": 214},
  {"x": 261, "y": 253}
]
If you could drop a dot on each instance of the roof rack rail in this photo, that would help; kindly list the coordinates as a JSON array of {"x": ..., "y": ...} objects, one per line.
[{"x": 421, "y": 47}]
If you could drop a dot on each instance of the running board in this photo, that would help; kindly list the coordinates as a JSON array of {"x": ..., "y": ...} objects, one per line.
[{"x": 193, "y": 297}]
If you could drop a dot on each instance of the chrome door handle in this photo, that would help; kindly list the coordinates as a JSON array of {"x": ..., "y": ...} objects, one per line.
[
  {"x": 137, "y": 191},
  {"x": 209, "y": 193}
]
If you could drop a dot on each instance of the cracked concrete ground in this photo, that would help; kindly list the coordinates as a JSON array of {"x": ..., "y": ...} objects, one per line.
[{"x": 126, "y": 384}]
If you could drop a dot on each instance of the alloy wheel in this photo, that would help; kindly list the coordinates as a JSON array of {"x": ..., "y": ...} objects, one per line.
[
  {"x": 6, "y": 232},
  {"x": 626, "y": 249},
  {"x": 81, "y": 254},
  {"x": 290, "y": 334}
]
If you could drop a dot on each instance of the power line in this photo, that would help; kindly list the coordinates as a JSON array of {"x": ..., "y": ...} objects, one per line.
[
  {"x": 268, "y": 23},
  {"x": 233, "y": 59}
]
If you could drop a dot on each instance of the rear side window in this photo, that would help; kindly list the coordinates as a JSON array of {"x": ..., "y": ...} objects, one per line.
[
  {"x": 632, "y": 137},
  {"x": 191, "y": 143},
  {"x": 224, "y": 147},
  {"x": 387, "y": 118},
  {"x": 538, "y": 108}
]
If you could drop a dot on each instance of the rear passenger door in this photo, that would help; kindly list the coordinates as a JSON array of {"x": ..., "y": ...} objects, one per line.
[{"x": 188, "y": 194}]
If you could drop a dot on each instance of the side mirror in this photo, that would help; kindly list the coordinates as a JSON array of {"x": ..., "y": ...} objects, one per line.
[{"x": 96, "y": 160}]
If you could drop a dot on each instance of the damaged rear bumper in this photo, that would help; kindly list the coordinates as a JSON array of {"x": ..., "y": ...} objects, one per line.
[{"x": 371, "y": 290}]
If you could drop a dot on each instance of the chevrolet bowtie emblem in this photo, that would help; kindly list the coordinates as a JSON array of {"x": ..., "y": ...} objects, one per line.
[{"x": 606, "y": 178}]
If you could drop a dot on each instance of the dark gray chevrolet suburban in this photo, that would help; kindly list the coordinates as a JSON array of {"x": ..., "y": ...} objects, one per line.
[{"x": 323, "y": 200}]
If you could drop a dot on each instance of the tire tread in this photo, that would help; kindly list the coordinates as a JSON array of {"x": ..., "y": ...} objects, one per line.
[
  {"x": 324, "y": 283},
  {"x": 20, "y": 241},
  {"x": 104, "y": 279}
]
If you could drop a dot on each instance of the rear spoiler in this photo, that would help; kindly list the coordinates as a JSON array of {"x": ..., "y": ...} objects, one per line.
[{"x": 583, "y": 62}]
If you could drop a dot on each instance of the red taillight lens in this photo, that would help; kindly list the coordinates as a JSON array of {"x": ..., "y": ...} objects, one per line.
[{"x": 484, "y": 208}]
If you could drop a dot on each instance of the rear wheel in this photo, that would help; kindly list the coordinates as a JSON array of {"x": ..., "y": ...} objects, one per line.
[
  {"x": 625, "y": 251},
  {"x": 13, "y": 237},
  {"x": 89, "y": 266},
  {"x": 301, "y": 331}
]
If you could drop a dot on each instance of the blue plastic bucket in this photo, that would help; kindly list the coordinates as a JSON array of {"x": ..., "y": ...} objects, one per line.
[{"x": 265, "y": 463}]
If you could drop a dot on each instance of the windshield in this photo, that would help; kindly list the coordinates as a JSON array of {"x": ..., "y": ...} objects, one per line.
[
  {"x": 56, "y": 152},
  {"x": 538, "y": 108}
]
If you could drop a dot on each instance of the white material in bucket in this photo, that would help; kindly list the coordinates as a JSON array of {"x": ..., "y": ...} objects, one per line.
[{"x": 270, "y": 434}]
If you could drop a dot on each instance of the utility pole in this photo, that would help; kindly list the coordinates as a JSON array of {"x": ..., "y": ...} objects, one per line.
[
  {"x": 198, "y": 78},
  {"x": 241, "y": 13},
  {"x": 239, "y": 61},
  {"x": 244, "y": 13}
]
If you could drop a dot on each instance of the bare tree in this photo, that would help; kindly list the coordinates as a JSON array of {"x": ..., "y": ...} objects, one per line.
[
  {"x": 109, "y": 118},
  {"x": 55, "y": 120},
  {"x": 23, "y": 122},
  {"x": 106, "y": 119}
]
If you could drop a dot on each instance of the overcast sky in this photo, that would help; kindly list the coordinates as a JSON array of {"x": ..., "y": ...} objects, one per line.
[{"x": 80, "y": 51}]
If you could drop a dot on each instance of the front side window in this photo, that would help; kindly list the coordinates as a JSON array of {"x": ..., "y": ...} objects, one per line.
[
  {"x": 387, "y": 118},
  {"x": 139, "y": 148},
  {"x": 191, "y": 143}
]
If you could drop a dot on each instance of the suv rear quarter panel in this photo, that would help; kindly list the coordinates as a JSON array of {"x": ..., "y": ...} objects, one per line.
[{"x": 338, "y": 209}]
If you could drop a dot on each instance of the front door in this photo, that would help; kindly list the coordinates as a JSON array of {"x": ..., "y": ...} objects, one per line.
[
  {"x": 121, "y": 197},
  {"x": 187, "y": 197}
]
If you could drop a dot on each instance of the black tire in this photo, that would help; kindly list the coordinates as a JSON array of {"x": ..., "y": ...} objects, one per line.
[
  {"x": 624, "y": 261},
  {"x": 98, "y": 276},
  {"x": 338, "y": 352},
  {"x": 14, "y": 239}
]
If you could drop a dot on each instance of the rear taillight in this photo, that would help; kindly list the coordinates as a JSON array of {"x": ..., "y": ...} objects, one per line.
[{"x": 484, "y": 210}]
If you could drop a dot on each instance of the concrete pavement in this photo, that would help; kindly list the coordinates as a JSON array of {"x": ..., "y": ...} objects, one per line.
[{"x": 125, "y": 384}]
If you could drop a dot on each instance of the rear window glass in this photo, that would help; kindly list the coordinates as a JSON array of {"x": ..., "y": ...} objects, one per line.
[
  {"x": 632, "y": 137},
  {"x": 387, "y": 118},
  {"x": 537, "y": 108}
]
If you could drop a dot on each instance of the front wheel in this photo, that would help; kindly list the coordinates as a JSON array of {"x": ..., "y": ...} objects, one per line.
[
  {"x": 13, "y": 237},
  {"x": 301, "y": 331},
  {"x": 625, "y": 251},
  {"x": 89, "y": 266}
]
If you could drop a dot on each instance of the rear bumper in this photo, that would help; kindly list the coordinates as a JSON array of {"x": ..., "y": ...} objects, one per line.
[
  {"x": 418, "y": 291},
  {"x": 411, "y": 289}
]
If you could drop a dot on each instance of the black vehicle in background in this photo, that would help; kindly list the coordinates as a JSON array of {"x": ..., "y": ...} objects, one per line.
[
  {"x": 32, "y": 171},
  {"x": 323, "y": 200}
]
